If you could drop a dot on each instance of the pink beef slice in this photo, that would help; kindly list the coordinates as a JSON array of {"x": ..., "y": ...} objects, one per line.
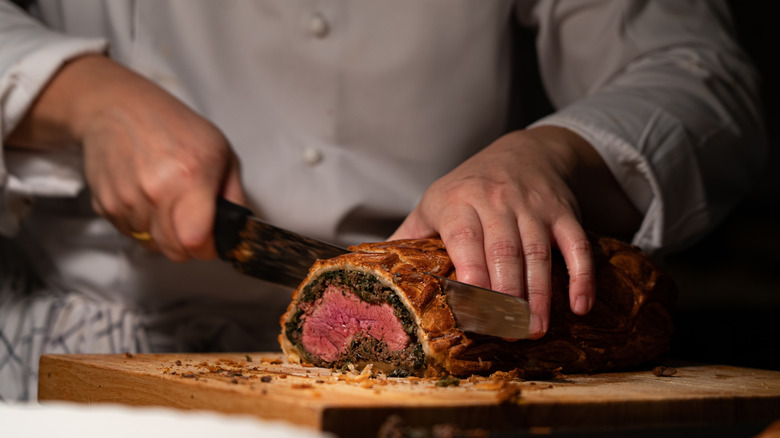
[{"x": 338, "y": 316}]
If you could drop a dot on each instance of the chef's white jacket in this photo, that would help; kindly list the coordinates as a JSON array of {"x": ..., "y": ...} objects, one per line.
[{"x": 344, "y": 111}]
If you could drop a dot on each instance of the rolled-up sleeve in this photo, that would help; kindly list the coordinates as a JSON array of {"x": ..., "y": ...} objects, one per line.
[
  {"x": 30, "y": 55},
  {"x": 665, "y": 95}
]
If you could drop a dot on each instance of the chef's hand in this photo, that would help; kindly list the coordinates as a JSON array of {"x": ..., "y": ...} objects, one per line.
[
  {"x": 502, "y": 211},
  {"x": 153, "y": 165}
]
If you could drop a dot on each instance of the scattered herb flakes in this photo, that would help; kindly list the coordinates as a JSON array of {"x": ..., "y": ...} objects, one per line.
[
  {"x": 128, "y": 355},
  {"x": 662, "y": 371},
  {"x": 248, "y": 358},
  {"x": 178, "y": 363},
  {"x": 509, "y": 394},
  {"x": 266, "y": 379},
  {"x": 503, "y": 375},
  {"x": 448, "y": 381},
  {"x": 491, "y": 386}
]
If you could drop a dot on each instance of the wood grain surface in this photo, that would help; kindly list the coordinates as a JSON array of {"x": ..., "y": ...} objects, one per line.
[{"x": 352, "y": 404}]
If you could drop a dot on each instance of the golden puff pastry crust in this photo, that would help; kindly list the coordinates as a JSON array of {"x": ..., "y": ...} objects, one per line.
[{"x": 630, "y": 322}]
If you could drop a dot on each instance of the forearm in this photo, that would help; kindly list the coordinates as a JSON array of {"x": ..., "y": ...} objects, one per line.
[
  {"x": 682, "y": 165},
  {"x": 30, "y": 56},
  {"x": 79, "y": 92},
  {"x": 673, "y": 114}
]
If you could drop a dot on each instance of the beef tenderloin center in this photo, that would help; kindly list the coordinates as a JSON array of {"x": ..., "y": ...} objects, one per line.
[{"x": 349, "y": 316}]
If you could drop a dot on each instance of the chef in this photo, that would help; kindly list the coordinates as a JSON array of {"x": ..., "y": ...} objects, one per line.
[{"x": 348, "y": 121}]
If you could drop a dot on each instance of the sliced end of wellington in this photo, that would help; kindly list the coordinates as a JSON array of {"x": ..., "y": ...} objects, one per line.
[{"x": 378, "y": 305}]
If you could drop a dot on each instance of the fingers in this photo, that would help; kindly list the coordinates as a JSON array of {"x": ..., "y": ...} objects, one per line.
[
  {"x": 192, "y": 219},
  {"x": 233, "y": 189},
  {"x": 193, "y": 214},
  {"x": 503, "y": 252},
  {"x": 536, "y": 254},
  {"x": 413, "y": 227},
  {"x": 517, "y": 259},
  {"x": 154, "y": 165},
  {"x": 164, "y": 233},
  {"x": 464, "y": 240},
  {"x": 500, "y": 215},
  {"x": 186, "y": 217},
  {"x": 576, "y": 250},
  {"x": 175, "y": 207}
]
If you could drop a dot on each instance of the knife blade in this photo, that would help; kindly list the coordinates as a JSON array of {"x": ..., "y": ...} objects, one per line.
[{"x": 271, "y": 253}]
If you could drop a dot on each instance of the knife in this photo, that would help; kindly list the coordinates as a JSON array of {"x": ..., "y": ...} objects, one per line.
[{"x": 265, "y": 251}]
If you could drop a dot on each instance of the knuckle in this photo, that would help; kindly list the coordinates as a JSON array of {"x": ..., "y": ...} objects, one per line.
[
  {"x": 537, "y": 252},
  {"x": 157, "y": 184},
  {"x": 537, "y": 295},
  {"x": 153, "y": 188},
  {"x": 185, "y": 170},
  {"x": 462, "y": 234},
  {"x": 582, "y": 276},
  {"x": 125, "y": 199},
  {"x": 472, "y": 272},
  {"x": 473, "y": 276},
  {"x": 582, "y": 245},
  {"x": 108, "y": 207},
  {"x": 194, "y": 245},
  {"x": 538, "y": 287},
  {"x": 500, "y": 193},
  {"x": 469, "y": 268},
  {"x": 216, "y": 155},
  {"x": 504, "y": 250},
  {"x": 509, "y": 285},
  {"x": 468, "y": 187}
]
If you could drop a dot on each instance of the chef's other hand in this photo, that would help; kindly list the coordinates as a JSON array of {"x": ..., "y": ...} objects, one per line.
[
  {"x": 501, "y": 212},
  {"x": 153, "y": 165}
]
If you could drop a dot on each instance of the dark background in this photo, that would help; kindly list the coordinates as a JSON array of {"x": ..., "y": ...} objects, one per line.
[
  {"x": 729, "y": 306},
  {"x": 728, "y": 309}
]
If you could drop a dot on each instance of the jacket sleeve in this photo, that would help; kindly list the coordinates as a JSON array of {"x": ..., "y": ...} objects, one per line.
[
  {"x": 663, "y": 92},
  {"x": 30, "y": 55}
]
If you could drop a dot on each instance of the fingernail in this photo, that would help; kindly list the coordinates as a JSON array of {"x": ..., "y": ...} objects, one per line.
[
  {"x": 582, "y": 305},
  {"x": 535, "y": 327}
]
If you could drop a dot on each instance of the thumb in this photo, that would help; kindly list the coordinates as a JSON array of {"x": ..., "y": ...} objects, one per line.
[
  {"x": 193, "y": 215},
  {"x": 232, "y": 188},
  {"x": 413, "y": 227},
  {"x": 193, "y": 222}
]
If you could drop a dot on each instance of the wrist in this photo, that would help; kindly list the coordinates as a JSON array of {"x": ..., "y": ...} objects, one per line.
[
  {"x": 81, "y": 90},
  {"x": 604, "y": 206},
  {"x": 572, "y": 154}
]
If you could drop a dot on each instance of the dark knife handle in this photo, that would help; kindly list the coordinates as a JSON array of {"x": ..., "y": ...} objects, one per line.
[{"x": 230, "y": 220}]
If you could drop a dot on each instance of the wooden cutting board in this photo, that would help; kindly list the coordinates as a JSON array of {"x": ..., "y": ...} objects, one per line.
[{"x": 351, "y": 404}]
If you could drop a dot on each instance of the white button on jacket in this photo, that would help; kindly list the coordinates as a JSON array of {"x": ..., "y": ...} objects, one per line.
[
  {"x": 312, "y": 156},
  {"x": 318, "y": 25}
]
